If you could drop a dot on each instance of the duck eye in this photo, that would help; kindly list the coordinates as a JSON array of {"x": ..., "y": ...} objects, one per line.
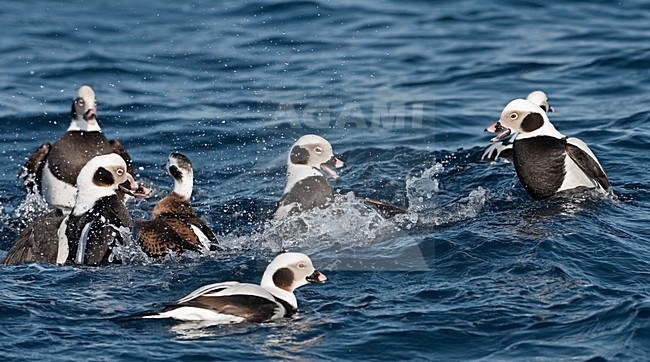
[
  {"x": 302, "y": 265},
  {"x": 513, "y": 115},
  {"x": 318, "y": 150},
  {"x": 80, "y": 102},
  {"x": 119, "y": 172}
]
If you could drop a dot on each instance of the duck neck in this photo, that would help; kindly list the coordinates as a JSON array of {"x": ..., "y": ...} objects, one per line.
[
  {"x": 547, "y": 129},
  {"x": 289, "y": 297},
  {"x": 184, "y": 188},
  {"x": 87, "y": 197},
  {"x": 81, "y": 125},
  {"x": 296, "y": 173}
]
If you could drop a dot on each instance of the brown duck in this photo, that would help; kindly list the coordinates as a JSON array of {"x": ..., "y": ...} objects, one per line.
[{"x": 174, "y": 226}]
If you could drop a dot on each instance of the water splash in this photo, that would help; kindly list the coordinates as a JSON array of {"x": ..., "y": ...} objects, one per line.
[
  {"x": 348, "y": 221},
  {"x": 462, "y": 209},
  {"x": 429, "y": 206},
  {"x": 128, "y": 250},
  {"x": 32, "y": 206},
  {"x": 421, "y": 189}
]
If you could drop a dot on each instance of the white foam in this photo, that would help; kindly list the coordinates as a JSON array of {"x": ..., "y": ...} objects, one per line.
[
  {"x": 421, "y": 189},
  {"x": 348, "y": 221},
  {"x": 33, "y": 206},
  {"x": 350, "y": 228},
  {"x": 128, "y": 251}
]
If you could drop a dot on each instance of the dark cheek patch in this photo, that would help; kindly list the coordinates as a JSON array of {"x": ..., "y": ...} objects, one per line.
[
  {"x": 283, "y": 278},
  {"x": 299, "y": 156},
  {"x": 103, "y": 177},
  {"x": 532, "y": 122},
  {"x": 73, "y": 113},
  {"x": 176, "y": 173}
]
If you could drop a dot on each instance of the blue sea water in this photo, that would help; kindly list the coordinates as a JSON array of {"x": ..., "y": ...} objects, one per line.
[{"x": 403, "y": 90}]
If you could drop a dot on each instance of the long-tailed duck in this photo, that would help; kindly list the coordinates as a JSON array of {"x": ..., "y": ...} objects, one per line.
[
  {"x": 87, "y": 234},
  {"x": 53, "y": 169},
  {"x": 306, "y": 187},
  {"x": 547, "y": 161},
  {"x": 99, "y": 216},
  {"x": 234, "y": 302},
  {"x": 174, "y": 225},
  {"x": 503, "y": 149}
]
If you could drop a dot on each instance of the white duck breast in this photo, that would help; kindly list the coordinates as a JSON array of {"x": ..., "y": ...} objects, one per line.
[{"x": 545, "y": 160}]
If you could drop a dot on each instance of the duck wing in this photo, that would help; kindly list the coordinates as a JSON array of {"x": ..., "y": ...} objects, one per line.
[
  {"x": 587, "y": 161},
  {"x": 32, "y": 170}
]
